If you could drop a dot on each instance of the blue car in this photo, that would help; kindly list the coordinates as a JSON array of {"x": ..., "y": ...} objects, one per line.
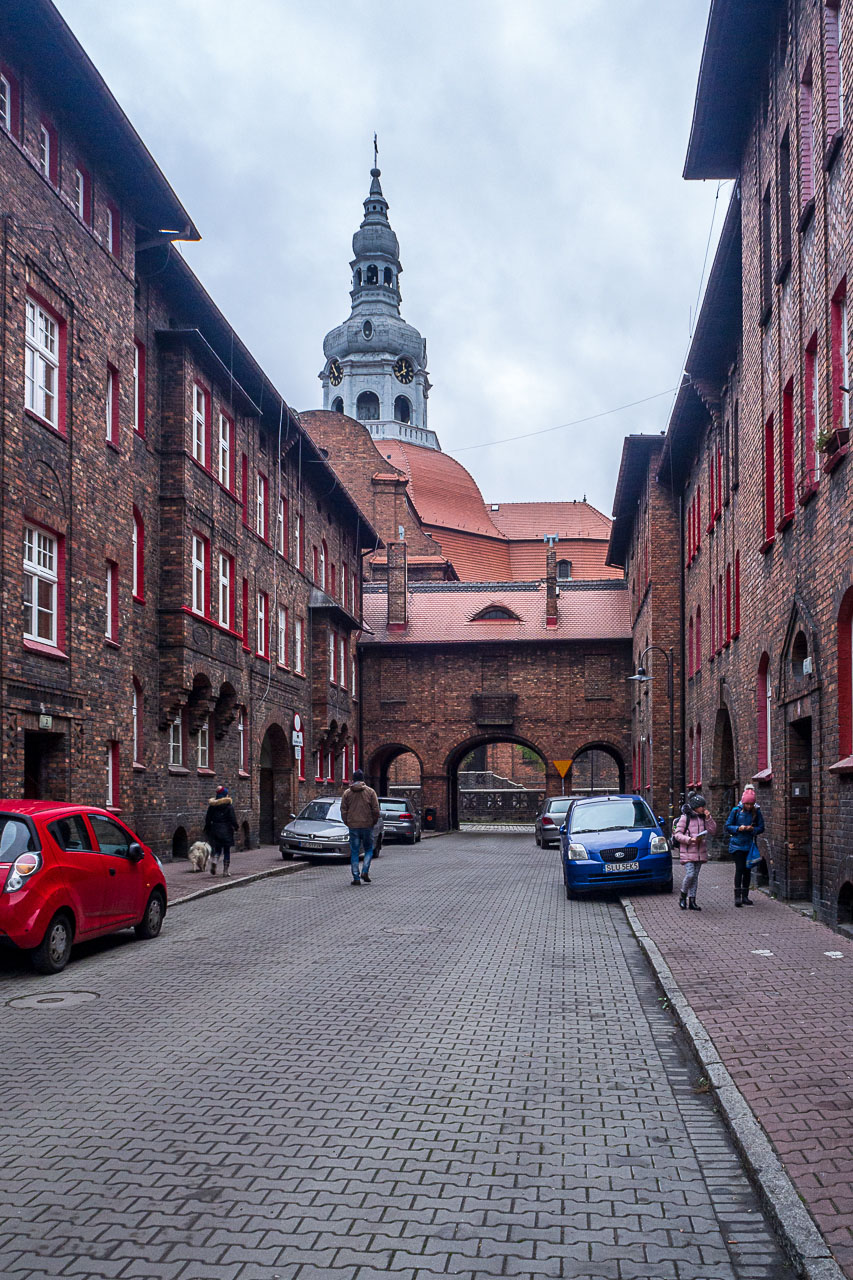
[{"x": 613, "y": 842}]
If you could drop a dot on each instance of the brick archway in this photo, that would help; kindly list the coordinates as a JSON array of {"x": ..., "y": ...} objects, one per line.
[
  {"x": 457, "y": 755},
  {"x": 383, "y": 758},
  {"x": 586, "y": 755}
]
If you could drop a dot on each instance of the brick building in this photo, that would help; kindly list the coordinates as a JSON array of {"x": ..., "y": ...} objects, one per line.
[
  {"x": 188, "y": 564},
  {"x": 757, "y": 446}
]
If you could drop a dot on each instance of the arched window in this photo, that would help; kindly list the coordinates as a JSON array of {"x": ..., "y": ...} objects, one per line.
[
  {"x": 337, "y": 405},
  {"x": 845, "y": 675},
  {"x": 763, "y": 693},
  {"x": 690, "y": 643},
  {"x": 388, "y": 277},
  {"x": 367, "y": 407},
  {"x": 358, "y": 276},
  {"x": 402, "y": 409},
  {"x": 736, "y": 627},
  {"x": 564, "y": 570},
  {"x": 495, "y": 612},
  {"x": 697, "y": 650},
  {"x": 372, "y": 275}
]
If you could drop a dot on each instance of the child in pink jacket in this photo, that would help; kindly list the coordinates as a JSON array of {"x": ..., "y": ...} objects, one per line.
[{"x": 690, "y": 834}]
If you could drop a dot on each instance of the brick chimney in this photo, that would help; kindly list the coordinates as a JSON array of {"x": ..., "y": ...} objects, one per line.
[
  {"x": 398, "y": 586},
  {"x": 551, "y": 588}
]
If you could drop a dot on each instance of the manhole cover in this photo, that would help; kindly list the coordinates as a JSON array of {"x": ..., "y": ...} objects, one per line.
[
  {"x": 412, "y": 931},
  {"x": 53, "y": 1000}
]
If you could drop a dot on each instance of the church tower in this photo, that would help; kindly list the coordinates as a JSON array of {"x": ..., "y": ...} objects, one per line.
[{"x": 375, "y": 367}]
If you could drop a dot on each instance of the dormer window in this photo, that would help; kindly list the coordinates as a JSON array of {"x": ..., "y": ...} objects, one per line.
[
  {"x": 564, "y": 570},
  {"x": 496, "y": 613}
]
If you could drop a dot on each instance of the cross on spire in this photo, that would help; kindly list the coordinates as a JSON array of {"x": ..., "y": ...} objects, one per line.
[{"x": 375, "y": 152}]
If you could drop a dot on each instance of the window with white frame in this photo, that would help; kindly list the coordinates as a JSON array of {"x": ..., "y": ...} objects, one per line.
[
  {"x": 242, "y": 744},
  {"x": 111, "y": 230},
  {"x": 139, "y": 388},
  {"x": 261, "y": 506},
  {"x": 5, "y": 103},
  {"x": 41, "y": 577},
  {"x": 45, "y": 150},
  {"x": 41, "y": 382},
  {"x": 332, "y": 645},
  {"x": 298, "y": 546},
  {"x": 225, "y": 592},
  {"x": 111, "y": 404},
  {"x": 226, "y": 428},
  {"x": 111, "y": 620},
  {"x": 138, "y": 552},
  {"x": 298, "y": 645},
  {"x": 353, "y": 673},
  {"x": 262, "y": 624},
  {"x": 135, "y": 723},
  {"x": 82, "y": 202},
  {"x": 176, "y": 741},
  {"x": 199, "y": 558},
  {"x": 280, "y": 528},
  {"x": 281, "y": 636},
  {"x": 322, "y": 578},
  {"x": 199, "y": 424},
  {"x": 112, "y": 775},
  {"x": 202, "y": 746},
  {"x": 342, "y": 661}
]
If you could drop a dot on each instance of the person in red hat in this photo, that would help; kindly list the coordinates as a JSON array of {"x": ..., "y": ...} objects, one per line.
[{"x": 744, "y": 823}]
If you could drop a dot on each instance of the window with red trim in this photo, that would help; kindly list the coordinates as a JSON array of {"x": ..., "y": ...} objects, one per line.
[
  {"x": 342, "y": 661},
  {"x": 736, "y": 630},
  {"x": 845, "y": 675},
  {"x": 136, "y": 718},
  {"x": 244, "y": 487},
  {"x": 263, "y": 620},
  {"x": 282, "y": 637},
  {"x": 299, "y": 547},
  {"x": 112, "y": 788},
  {"x": 691, "y": 758},
  {"x": 728, "y": 603},
  {"x": 83, "y": 194},
  {"x": 719, "y": 482},
  {"x": 769, "y": 483},
  {"x": 137, "y": 537},
  {"x": 316, "y": 555},
  {"x": 762, "y": 713},
  {"x": 807, "y": 138},
  {"x": 690, "y": 667},
  {"x": 282, "y": 527},
  {"x": 330, "y": 766},
  {"x": 840, "y": 361},
  {"x": 113, "y": 229},
  {"x": 201, "y": 424},
  {"x": 261, "y": 506},
  {"x": 811, "y": 418},
  {"x": 44, "y": 363},
  {"x": 697, "y": 771},
  {"x": 712, "y": 506},
  {"x": 324, "y": 561},
  {"x": 299, "y": 646},
  {"x": 44, "y": 588},
  {"x": 111, "y": 602},
  {"x": 318, "y": 767},
  {"x": 48, "y": 151},
  {"x": 713, "y": 649},
  {"x": 698, "y": 517},
  {"x": 10, "y": 102},
  {"x": 111, "y": 405},
  {"x": 225, "y": 452},
  {"x": 332, "y": 656},
  {"x": 302, "y": 764},
  {"x": 242, "y": 741},
  {"x": 787, "y": 453},
  {"x": 697, "y": 648},
  {"x": 139, "y": 387},
  {"x": 200, "y": 575},
  {"x": 345, "y": 775},
  {"x": 720, "y": 613},
  {"x": 226, "y": 591},
  {"x": 246, "y": 614}
]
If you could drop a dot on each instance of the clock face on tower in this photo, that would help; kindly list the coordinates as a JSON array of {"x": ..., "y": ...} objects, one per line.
[
  {"x": 336, "y": 373},
  {"x": 404, "y": 370}
]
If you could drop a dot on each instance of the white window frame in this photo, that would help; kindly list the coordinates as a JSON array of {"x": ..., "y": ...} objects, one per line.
[
  {"x": 5, "y": 103},
  {"x": 134, "y": 537},
  {"x": 134, "y": 722},
  {"x": 197, "y": 575},
  {"x": 224, "y": 452},
  {"x": 353, "y": 674},
  {"x": 297, "y": 542},
  {"x": 45, "y": 143},
  {"x": 241, "y": 741},
  {"x": 110, "y": 404},
  {"x": 281, "y": 636},
  {"x": 41, "y": 577},
  {"x": 176, "y": 741},
  {"x": 279, "y": 531},
  {"x": 224, "y": 592},
  {"x": 80, "y": 193},
  {"x": 199, "y": 423},
  {"x": 768, "y": 718},
  {"x": 260, "y": 505},
  {"x": 202, "y": 745},
  {"x": 41, "y": 382},
  {"x": 321, "y": 558},
  {"x": 111, "y": 231},
  {"x": 342, "y": 661},
  {"x": 261, "y": 618},
  {"x": 137, "y": 388},
  {"x": 112, "y": 587},
  {"x": 298, "y": 644},
  {"x": 332, "y": 656},
  {"x": 111, "y": 775}
]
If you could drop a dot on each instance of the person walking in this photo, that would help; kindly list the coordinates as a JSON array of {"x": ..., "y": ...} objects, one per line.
[
  {"x": 360, "y": 812},
  {"x": 744, "y": 823},
  {"x": 690, "y": 834},
  {"x": 220, "y": 823}
]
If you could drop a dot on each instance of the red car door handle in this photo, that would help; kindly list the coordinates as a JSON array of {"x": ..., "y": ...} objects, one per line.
[{"x": 112, "y": 871}]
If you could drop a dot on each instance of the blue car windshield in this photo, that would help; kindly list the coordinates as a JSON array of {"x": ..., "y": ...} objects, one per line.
[{"x": 611, "y": 815}]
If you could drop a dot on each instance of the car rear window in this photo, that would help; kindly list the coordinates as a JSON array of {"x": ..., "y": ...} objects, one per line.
[
  {"x": 560, "y": 805},
  {"x": 393, "y": 806},
  {"x": 611, "y": 815},
  {"x": 16, "y": 837}
]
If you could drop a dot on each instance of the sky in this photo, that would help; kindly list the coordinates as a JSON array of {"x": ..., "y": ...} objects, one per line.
[{"x": 531, "y": 154}]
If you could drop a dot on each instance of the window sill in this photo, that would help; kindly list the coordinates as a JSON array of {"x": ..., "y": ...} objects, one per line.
[
  {"x": 832, "y": 150},
  {"x": 46, "y": 650},
  {"x": 808, "y": 489},
  {"x": 178, "y": 770},
  {"x": 139, "y": 599},
  {"x": 111, "y": 444},
  {"x": 806, "y": 215},
  {"x": 786, "y": 520},
  {"x": 139, "y": 768},
  {"x": 241, "y": 773},
  {"x": 843, "y": 767},
  {"x": 206, "y": 773},
  {"x": 36, "y": 417},
  {"x": 111, "y": 644},
  {"x": 767, "y": 544},
  {"x": 764, "y": 777},
  {"x": 831, "y": 460}
]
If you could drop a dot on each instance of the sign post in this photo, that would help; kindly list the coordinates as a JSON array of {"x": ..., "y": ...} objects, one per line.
[{"x": 562, "y": 767}]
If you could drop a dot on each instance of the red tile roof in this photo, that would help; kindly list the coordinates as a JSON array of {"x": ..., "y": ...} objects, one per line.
[
  {"x": 443, "y": 492},
  {"x": 534, "y": 520},
  {"x": 442, "y": 613}
]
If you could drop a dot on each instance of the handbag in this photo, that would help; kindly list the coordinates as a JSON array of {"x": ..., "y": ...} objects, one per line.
[{"x": 754, "y": 855}]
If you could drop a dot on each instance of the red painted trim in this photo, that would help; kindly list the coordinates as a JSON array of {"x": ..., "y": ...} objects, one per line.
[
  {"x": 736, "y": 631},
  {"x": 140, "y": 389},
  {"x": 61, "y": 427},
  {"x": 53, "y": 158},
  {"x": 140, "y": 556},
  {"x": 769, "y": 484},
  {"x": 14, "y": 101},
  {"x": 837, "y": 356},
  {"x": 47, "y": 650},
  {"x": 788, "y": 504}
]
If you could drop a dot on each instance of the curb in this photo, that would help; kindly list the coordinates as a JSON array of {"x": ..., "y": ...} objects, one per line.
[
  {"x": 793, "y": 1223},
  {"x": 233, "y": 882}
]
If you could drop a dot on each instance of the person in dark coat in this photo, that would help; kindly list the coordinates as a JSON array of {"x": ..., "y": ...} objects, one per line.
[
  {"x": 744, "y": 823},
  {"x": 220, "y": 823}
]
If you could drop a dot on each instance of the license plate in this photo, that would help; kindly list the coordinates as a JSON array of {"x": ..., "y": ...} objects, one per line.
[{"x": 621, "y": 866}]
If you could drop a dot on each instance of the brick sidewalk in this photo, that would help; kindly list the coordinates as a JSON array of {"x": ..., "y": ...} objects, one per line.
[
  {"x": 778, "y": 1008},
  {"x": 182, "y": 880}
]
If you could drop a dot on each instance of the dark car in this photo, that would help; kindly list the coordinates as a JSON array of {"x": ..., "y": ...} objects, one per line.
[
  {"x": 319, "y": 831},
  {"x": 613, "y": 841},
  {"x": 402, "y": 821},
  {"x": 69, "y": 873},
  {"x": 546, "y": 829}
]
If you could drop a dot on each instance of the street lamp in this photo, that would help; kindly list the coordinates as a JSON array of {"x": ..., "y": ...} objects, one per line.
[{"x": 641, "y": 676}]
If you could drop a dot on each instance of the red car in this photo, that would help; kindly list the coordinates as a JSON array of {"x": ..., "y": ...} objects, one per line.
[{"x": 70, "y": 872}]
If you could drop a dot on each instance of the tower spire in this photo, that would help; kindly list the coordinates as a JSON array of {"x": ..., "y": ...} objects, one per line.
[{"x": 375, "y": 151}]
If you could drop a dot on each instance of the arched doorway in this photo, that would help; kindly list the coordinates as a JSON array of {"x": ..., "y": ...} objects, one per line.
[
  {"x": 396, "y": 770},
  {"x": 597, "y": 768},
  {"x": 495, "y": 780},
  {"x": 275, "y": 784},
  {"x": 723, "y": 788}
]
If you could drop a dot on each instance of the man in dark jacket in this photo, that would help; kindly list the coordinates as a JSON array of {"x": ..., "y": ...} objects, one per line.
[
  {"x": 360, "y": 812},
  {"x": 220, "y": 823}
]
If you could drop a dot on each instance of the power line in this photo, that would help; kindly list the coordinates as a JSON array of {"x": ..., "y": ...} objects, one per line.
[{"x": 525, "y": 435}]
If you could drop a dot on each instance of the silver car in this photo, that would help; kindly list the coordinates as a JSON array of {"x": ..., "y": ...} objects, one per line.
[
  {"x": 318, "y": 831},
  {"x": 546, "y": 830},
  {"x": 401, "y": 820}
]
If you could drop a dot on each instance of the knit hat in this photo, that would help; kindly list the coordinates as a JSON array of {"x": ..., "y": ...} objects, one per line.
[
  {"x": 748, "y": 796},
  {"x": 358, "y": 775},
  {"x": 696, "y": 800},
  {"x": 222, "y": 791}
]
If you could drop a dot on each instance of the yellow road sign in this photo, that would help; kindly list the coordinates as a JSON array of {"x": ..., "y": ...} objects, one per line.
[{"x": 562, "y": 767}]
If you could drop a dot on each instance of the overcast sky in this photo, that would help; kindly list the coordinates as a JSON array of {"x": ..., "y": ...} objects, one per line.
[{"x": 531, "y": 153}]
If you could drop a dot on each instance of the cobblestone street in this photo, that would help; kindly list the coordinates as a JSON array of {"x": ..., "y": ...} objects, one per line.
[{"x": 453, "y": 1071}]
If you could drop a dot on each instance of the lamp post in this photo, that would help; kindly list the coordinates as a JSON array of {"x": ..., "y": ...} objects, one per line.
[{"x": 641, "y": 676}]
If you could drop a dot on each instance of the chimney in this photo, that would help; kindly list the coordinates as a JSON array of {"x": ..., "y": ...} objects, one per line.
[
  {"x": 550, "y": 588},
  {"x": 398, "y": 586}
]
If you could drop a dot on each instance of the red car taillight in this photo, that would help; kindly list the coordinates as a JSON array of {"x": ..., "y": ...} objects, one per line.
[
  {"x": 547, "y": 822},
  {"x": 24, "y": 866},
  {"x": 407, "y": 815}
]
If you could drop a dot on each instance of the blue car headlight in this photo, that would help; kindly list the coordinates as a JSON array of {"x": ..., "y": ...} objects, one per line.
[
  {"x": 659, "y": 845},
  {"x": 577, "y": 853}
]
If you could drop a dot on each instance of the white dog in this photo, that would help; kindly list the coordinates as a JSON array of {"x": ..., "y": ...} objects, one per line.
[{"x": 199, "y": 854}]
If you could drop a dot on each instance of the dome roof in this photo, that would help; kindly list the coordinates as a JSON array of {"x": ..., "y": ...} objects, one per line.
[
  {"x": 443, "y": 492},
  {"x": 376, "y": 240},
  {"x": 390, "y": 335}
]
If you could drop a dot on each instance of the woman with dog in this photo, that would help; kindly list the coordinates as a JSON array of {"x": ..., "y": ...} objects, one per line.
[{"x": 220, "y": 823}]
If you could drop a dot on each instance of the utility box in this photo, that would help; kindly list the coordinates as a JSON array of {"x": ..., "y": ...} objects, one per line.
[{"x": 800, "y": 790}]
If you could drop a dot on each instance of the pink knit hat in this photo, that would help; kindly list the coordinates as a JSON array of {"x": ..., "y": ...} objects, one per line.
[{"x": 748, "y": 795}]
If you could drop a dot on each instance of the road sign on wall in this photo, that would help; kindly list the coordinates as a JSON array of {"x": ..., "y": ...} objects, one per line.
[{"x": 562, "y": 767}]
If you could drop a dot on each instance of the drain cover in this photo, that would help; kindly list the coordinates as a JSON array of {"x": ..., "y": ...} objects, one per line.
[
  {"x": 412, "y": 931},
  {"x": 53, "y": 1000}
]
